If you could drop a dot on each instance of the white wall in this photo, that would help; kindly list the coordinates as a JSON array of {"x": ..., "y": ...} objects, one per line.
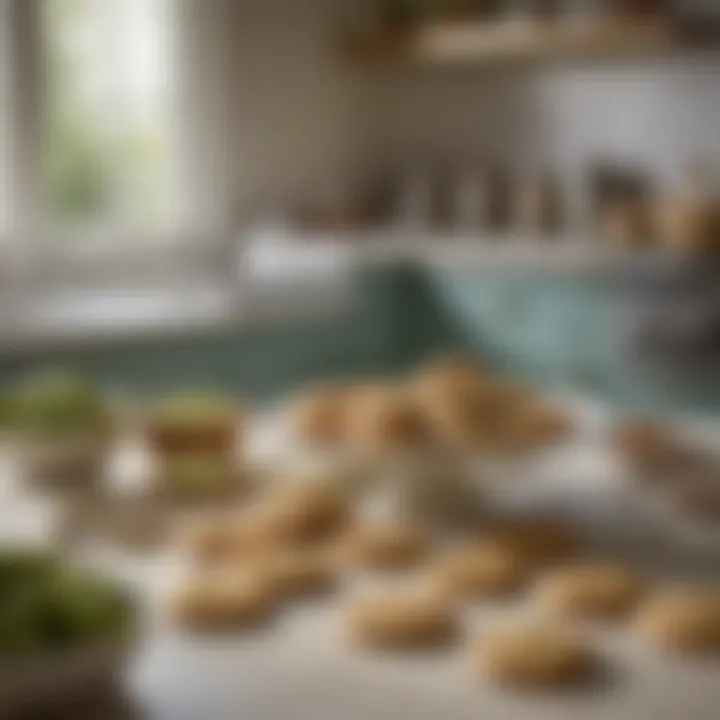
[
  {"x": 288, "y": 120},
  {"x": 284, "y": 117},
  {"x": 659, "y": 114}
]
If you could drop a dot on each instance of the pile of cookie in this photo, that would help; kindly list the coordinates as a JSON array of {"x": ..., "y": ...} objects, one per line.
[
  {"x": 450, "y": 405},
  {"x": 308, "y": 539}
]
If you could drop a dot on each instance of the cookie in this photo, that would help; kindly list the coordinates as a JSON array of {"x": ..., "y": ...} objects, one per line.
[
  {"x": 301, "y": 513},
  {"x": 475, "y": 572},
  {"x": 226, "y": 537},
  {"x": 590, "y": 591},
  {"x": 538, "y": 542},
  {"x": 224, "y": 601},
  {"x": 387, "y": 420},
  {"x": 384, "y": 546},
  {"x": 535, "y": 658},
  {"x": 484, "y": 416},
  {"x": 645, "y": 445},
  {"x": 401, "y": 622},
  {"x": 318, "y": 416},
  {"x": 683, "y": 620},
  {"x": 447, "y": 381},
  {"x": 697, "y": 494},
  {"x": 300, "y": 573},
  {"x": 535, "y": 424},
  {"x": 210, "y": 539},
  {"x": 460, "y": 424}
]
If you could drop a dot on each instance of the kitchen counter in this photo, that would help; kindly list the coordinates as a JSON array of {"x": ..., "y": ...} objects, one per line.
[{"x": 303, "y": 668}]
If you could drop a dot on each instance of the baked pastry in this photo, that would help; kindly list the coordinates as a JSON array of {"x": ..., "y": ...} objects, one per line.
[
  {"x": 299, "y": 572},
  {"x": 645, "y": 445},
  {"x": 303, "y": 512},
  {"x": 476, "y": 417},
  {"x": 535, "y": 424},
  {"x": 222, "y": 538},
  {"x": 538, "y": 542},
  {"x": 225, "y": 600},
  {"x": 447, "y": 380},
  {"x": 319, "y": 416},
  {"x": 210, "y": 539},
  {"x": 535, "y": 658},
  {"x": 697, "y": 496},
  {"x": 590, "y": 591},
  {"x": 401, "y": 622},
  {"x": 683, "y": 620},
  {"x": 385, "y": 546},
  {"x": 387, "y": 421},
  {"x": 478, "y": 571}
]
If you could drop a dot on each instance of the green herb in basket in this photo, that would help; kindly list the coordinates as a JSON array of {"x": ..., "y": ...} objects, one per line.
[
  {"x": 60, "y": 403},
  {"x": 47, "y": 607}
]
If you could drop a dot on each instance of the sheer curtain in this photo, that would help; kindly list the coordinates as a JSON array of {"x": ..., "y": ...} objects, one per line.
[
  {"x": 5, "y": 123},
  {"x": 109, "y": 126}
]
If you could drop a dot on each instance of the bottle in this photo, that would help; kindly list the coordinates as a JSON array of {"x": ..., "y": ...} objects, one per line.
[
  {"x": 690, "y": 221},
  {"x": 472, "y": 210},
  {"x": 538, "y": 204}
]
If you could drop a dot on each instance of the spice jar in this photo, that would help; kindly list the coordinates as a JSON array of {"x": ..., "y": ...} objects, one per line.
[{"x": 538, "y": 204}]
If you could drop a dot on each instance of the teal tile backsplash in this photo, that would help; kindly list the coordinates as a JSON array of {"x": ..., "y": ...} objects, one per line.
[
  {"x": 560, "y": 330},
  {"x": 394, "y": 322},
  {"x": 555, "y": 329}
]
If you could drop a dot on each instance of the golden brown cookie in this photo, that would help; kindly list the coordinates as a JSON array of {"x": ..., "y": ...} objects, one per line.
[
  {"x": 460, "y": 424},
  {"x": 534, "y": 658},
  {"x": 685, "y": 620},
  {"x": 384, "y": 546},
  {"x": 210, "y": 539},
  {"x": 535, "y": 424},
  {"x": 305, "y": 512},
  {"x": 539, "y": 542},
  {"x": 299, "y": 573},
  {"x": 319, "y": 416},
  {"x": 590, "y": 591},
  {"x": 387, "y": 420},
  {"x": 481, "y": 415},
  {"x": 645, "y": 445},
  {"x": 447, "y": 381},
  {"x": 227, "y": 600},
  {"x": 479, "y": 571},
  {"x": 401, "y": 622},
  {"x": 226, "y": 537}
]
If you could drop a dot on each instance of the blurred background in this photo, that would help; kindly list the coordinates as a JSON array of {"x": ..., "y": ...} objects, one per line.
[
  {"x": 252, "y": 196},
  {"x": 261, "y": 193}
]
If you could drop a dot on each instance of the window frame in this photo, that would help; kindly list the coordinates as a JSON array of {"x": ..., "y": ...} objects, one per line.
[
  {"x": 39, "y": 264},
  {"x": 31, "y": 234}
]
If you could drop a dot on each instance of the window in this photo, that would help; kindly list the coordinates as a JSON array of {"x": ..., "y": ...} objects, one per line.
[
  {"x": 108, "y": 147},
  {"x": 90, "y": 139},
  {"x": 5, "y": 198},
  {"x": 89, "y": 132}
]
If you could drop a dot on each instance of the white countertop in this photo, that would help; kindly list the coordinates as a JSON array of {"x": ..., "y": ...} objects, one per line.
[{"x": 303, "y": 669}]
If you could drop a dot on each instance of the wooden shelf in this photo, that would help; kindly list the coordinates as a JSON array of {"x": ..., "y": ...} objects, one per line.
[{"x": 527, "y": 41}]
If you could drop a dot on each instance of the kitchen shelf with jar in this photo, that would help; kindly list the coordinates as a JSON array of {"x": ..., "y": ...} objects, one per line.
[
  {"x": 574, "y": 253},
  {"x": 529, "y": 41}
]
